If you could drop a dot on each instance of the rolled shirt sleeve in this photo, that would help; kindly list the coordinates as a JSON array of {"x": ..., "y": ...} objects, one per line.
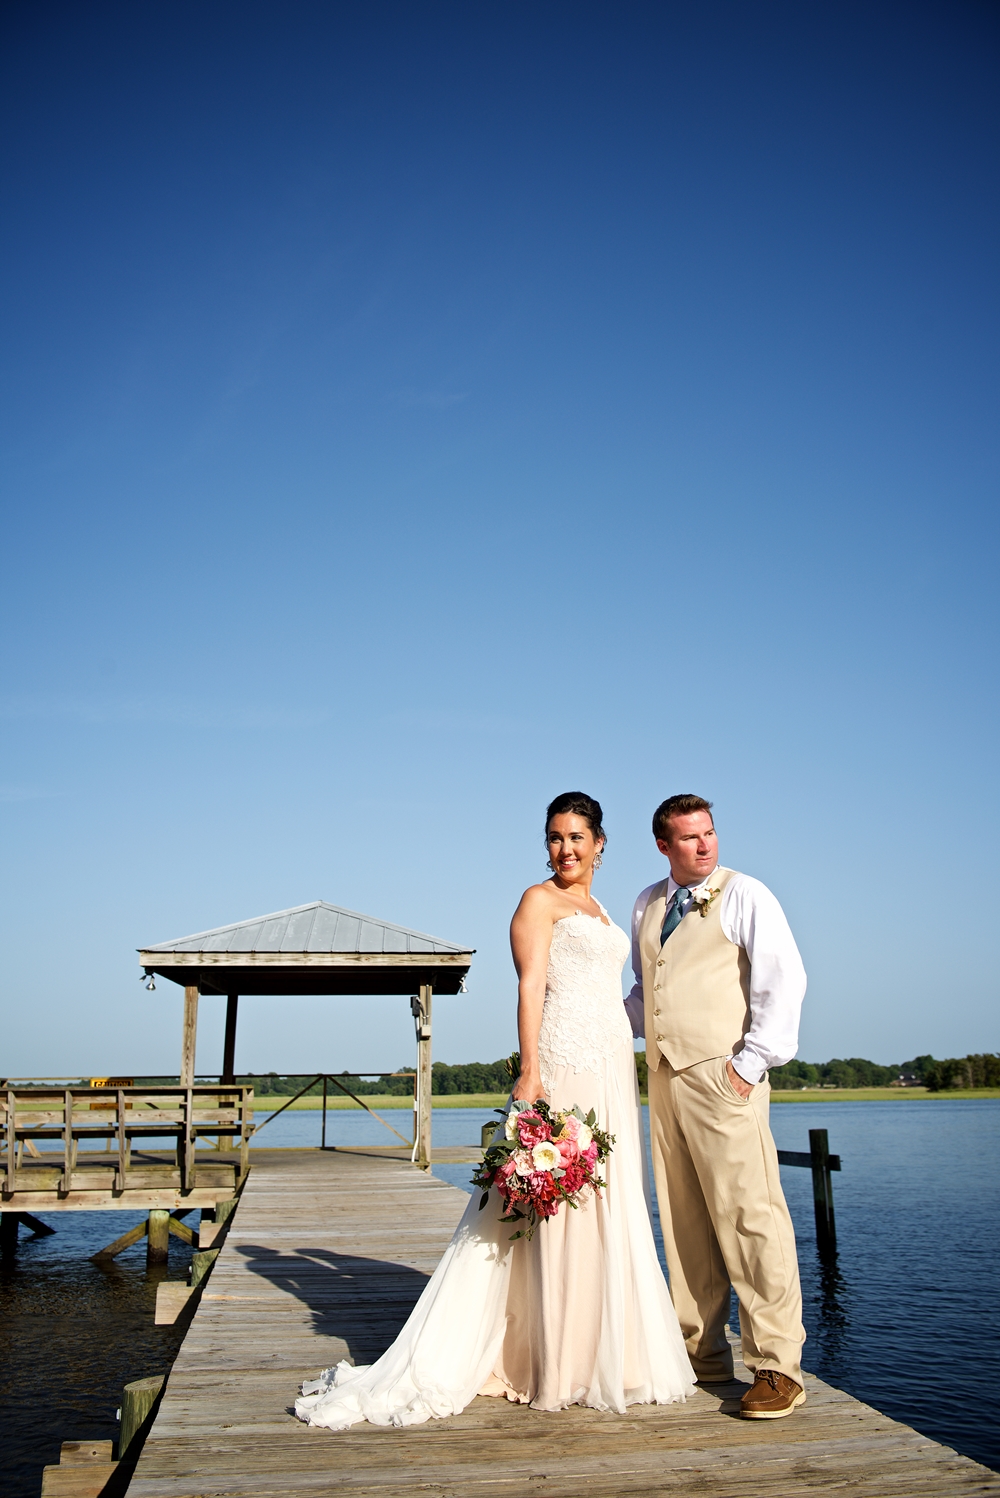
[{"x": 752, "y": 918}]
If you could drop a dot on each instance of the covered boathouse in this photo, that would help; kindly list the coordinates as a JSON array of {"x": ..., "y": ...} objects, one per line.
[{"x": 312, "y": 949}]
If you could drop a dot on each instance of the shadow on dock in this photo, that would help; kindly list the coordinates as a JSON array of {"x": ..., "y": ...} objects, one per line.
[{"x": 364, "y": 1302}]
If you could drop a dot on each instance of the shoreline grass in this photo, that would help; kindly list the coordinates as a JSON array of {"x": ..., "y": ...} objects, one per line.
[{"x": 268, "y": 1104}]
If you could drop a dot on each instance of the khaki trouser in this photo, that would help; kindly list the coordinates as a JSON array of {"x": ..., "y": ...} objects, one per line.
[{"x": 724, "y": 1220}]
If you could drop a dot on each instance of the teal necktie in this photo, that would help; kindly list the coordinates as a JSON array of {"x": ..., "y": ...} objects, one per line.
[{"x": 675, "y": 914}]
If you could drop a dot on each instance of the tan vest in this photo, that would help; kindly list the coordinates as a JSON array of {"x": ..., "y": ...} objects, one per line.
[{"x": 696, "y": 985}]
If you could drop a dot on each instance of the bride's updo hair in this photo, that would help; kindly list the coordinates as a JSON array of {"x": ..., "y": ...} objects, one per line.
[{"x": 579, "y": 805}]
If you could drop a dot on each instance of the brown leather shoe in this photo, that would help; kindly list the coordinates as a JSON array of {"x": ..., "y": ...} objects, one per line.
[{"x": 772, "y": 1397}]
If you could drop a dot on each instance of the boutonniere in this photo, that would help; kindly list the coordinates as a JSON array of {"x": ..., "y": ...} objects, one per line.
[{"x": 703, "y": 899}]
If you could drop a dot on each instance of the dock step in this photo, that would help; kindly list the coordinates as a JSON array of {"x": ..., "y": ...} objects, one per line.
[{"x": 84, "y": 1471}]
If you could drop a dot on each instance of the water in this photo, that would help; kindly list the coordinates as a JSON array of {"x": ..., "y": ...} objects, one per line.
[
  {"x": 350, "y": 1126},
  {"x": 905, "y": 1321},
  {"x": 72, "y": 1335}
]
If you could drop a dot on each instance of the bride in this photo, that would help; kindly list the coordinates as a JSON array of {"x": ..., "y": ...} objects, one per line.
[{"x": 580, "y": 1313}]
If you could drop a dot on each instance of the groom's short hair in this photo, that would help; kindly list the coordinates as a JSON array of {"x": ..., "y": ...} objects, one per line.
[{"x": 676, "y": 806}]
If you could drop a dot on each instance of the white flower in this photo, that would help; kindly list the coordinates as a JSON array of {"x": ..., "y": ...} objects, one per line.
[
  {"x": 584, "y": 1137},
  {"x": 545, "y": 1156},
  {"x": 523, "y": 1163},
  {"x": 510, "y": 1126}
]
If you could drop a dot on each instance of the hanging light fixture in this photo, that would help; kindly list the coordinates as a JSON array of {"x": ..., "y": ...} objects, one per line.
[{"x": 150, "y": 980}]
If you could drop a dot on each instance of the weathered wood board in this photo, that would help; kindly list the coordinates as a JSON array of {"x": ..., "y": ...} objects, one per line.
[{"x": 326, "y": 1255}]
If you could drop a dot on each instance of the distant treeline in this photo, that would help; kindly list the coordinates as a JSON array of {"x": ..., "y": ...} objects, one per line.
[
  {"x": 854, "y": 1072},
  {"x": 922, "y": 1071},
  {"x": 492, "y": 1076},
  {"x": 472, "y": 1077}
]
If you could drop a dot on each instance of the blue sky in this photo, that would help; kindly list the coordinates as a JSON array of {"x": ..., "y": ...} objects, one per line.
[{"x": 413, "y": 411}]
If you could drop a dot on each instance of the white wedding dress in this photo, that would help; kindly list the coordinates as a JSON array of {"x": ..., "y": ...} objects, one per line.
[{"x": 580, "y": 1314}]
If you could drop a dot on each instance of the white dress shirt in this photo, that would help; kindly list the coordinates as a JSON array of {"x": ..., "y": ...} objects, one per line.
[{"x": 752, "y": 919}]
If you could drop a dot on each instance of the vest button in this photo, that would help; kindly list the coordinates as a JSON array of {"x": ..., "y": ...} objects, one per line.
[
  {"x": 659, "y": 962},
  {"x": 656, "y": 985},
  {"x": 656, "y": 1011}
]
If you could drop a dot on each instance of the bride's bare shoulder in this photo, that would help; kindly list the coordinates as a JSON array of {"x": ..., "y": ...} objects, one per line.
[{"x": 538, "y": 901}]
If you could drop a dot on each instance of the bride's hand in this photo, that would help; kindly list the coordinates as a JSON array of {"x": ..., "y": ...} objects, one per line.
[{"x": 528, "y": 1088}]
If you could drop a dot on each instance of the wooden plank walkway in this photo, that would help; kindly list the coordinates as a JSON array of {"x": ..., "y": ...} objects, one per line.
[{"x": 326, "y": 1256}]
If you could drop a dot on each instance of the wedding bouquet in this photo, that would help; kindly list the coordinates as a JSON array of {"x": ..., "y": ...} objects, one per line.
[{"x": 542, "y": 1158}]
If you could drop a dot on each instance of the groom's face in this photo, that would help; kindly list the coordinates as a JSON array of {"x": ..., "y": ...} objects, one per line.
[{"x": 692, "y": 847}]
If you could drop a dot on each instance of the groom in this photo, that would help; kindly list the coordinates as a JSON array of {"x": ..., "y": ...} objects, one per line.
[{"x": 719, "y": 985}]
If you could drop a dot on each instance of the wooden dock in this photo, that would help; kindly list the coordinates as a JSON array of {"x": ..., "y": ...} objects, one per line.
[
  {"x": 107, "y": 1148},
  {"x": 325, "y": 1257}
]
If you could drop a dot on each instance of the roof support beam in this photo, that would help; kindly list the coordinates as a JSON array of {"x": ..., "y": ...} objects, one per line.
[
  {"x": 421, "y": 1008},
  {"x": 229, "y": 1045},
  {"x": 189, "y": 1036}
]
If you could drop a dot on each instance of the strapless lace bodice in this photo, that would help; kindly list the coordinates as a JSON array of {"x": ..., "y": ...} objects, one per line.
[{"x": 584, "y": 1020}]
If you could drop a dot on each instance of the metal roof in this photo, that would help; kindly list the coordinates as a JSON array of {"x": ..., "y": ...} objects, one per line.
[
  {"x": 310, "y": 949},
  {"x": 317, "y": 927}
]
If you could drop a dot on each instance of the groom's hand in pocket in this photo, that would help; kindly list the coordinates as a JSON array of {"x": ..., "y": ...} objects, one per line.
[{"x": 743, "y": 1088}]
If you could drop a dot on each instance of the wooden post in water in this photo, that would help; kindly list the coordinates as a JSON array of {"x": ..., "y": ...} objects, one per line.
[
  {"x": 229, "y": 1044},
  {"x": 138, "y": 1402},
  {"x": 189, "y": 1036},
  {"x": 157, "y": 1237},
  {"x": 8, "y": 1231},
  {"x": 322, "y": 1142},
  {"x": 421, "y": 1008},
  {"x": 826, "y": 1230},
  {"x": 228, "y": 1074},
  {"x": 201, "y": 1263}
]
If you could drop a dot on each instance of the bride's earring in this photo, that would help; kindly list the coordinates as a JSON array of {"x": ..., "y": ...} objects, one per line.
[
  {"x": 598, "y": 860},
  {"x": 550, "y": 865}
]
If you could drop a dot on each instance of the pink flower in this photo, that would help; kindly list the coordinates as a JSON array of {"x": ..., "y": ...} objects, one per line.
[
  {"x": 574, "y": 1179},
  {"x": 532, "y": 1129},
  {"x": 544, "y": 1190},
  {"x": 590, "y": 1155},
  {"x": 568, "y": 1149}
]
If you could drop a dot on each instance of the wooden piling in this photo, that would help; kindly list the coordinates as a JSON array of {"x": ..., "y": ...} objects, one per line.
[
  {"x": 157, "y": 1237},
  {"x": 201, "y": 1262},
  {"x": 139, "y": 1400},
  {"x": 212, "y": 1229},
  {"x": 8, "y": 1231},
  {"x": 826, "y": 1230}
]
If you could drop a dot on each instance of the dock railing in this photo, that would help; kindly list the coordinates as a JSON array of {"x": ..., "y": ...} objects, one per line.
[{"x": 71, "y": 1118}]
